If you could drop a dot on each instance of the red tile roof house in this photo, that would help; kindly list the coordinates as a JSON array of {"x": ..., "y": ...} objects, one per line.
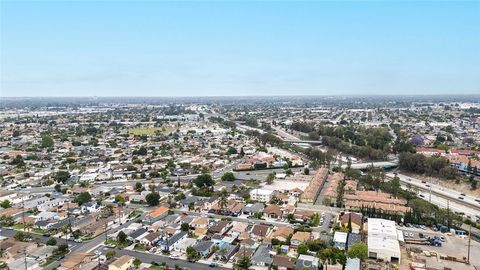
[{"x": 273, "y": 211}]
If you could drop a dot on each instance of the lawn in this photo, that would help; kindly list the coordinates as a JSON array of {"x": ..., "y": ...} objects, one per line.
[{"x": 149, "y": 131}]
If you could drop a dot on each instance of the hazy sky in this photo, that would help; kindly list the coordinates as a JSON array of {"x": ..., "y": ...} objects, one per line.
[{"x": 156, "y": 48}]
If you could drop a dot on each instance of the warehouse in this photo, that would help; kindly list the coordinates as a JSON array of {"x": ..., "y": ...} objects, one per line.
[{"x": 383, "y": 241}]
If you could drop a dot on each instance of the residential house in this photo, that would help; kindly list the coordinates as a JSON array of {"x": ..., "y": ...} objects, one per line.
[
  {"x": 125, "y": 262},
  {"x": 90, "y": 207},
  {"x": 253, "y": 209},
  {"x": 75, "y": 260},
  {"x": 204, "y": 248},
  {"x": 299, "y": 238},
  {"x": 356, "y": 221},
  {"x": 182, "y": 245},
  {"x": 262, "y": 256},
  {"x": 282, "y": 263},
  {"x": 259, "y": 231},
  {"x": 282, "y": 233},
  {"x": 220, "y": 227},
  {"x": 273, "y": 211},
  {"x": 200, "y": 222},
  {"x": 157, "y": 214},
  {"x": 307, "y": 262},
  {"x": 150, "y": 239},
  {"x": 225, "y": 251},
  {"x": 340, "y": 240}
]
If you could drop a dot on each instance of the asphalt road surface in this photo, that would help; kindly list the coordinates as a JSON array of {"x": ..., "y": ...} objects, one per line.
[{"x": 149, "y": 257}]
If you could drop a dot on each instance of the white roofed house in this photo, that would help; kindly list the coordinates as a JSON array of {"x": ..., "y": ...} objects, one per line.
[
  {"x": 33, "y": 202},
  {"x": 57, "y": 202},
  {"x": 90, "y": 207},
  {"x": 340, "y": 240}
]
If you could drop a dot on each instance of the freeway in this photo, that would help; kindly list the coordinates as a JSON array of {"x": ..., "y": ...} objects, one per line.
[
  {"x": 440, "y": 191},
  {"x": 445, "y": 203},
  {"x": 442, "y": 197}
]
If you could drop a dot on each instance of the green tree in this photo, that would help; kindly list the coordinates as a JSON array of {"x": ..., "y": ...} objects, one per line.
[
  {"x": 358, "y": 250},
  {"x": 137, "y": 262},
  {"x": 51, "y": 242},
  {"x": 20, "y": 236},
  {"x": 244, "y": 263},
  {"x": 110, "y": 254},
  {"x": 228, "y": 176},
  {"x": 302, "y": 249},
  {"x": 153, "y": 199},
  {"x": 5, "y": 204},
  {"x": 46, "y": 142},
  {"x": 62, "y": 249},
  {"x": 192, "y": 254},
  {"x": 139, "y": 187},
  {"x": 121, "y": 238},
  {"x": 306, "y": 171},
  {"x": 61, "y": 176},
  {"x": 270, "y": 178},
  {"x": 185, "y": 227},
  {"x": 119, "y": 199},
  {"x": 83, "y": 197},
  {"x": 58, "y": 188},
  {"x": 231, "y": 150},
  {"x": 204, "y": 180}
]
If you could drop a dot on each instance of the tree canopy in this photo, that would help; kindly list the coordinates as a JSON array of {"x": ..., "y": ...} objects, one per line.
[{"x": 204, "y": 180}]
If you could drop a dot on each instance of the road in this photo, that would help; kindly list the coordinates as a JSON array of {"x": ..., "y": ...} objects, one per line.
[
  {"x": 73, "y": 246},
  {"x": 149, "y": 257},
  {"x": 445, "y": 203},
  {"x": 240, "y": 219},
  {"x": 122, "y": 183},
  {"x": 468, "y": 202}
]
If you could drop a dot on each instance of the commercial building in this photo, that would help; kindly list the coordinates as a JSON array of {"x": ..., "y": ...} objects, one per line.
[{"x": 383, "y": 240}]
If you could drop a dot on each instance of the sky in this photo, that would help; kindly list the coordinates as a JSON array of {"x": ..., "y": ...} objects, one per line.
[{"x": 244, "y": 48}]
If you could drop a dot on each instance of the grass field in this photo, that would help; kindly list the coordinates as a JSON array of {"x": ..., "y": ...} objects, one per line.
[{"x": 149, "y": 131}]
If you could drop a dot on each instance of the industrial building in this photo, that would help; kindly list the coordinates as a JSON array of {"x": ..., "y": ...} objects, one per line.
[{"x": 383, "y": 240}]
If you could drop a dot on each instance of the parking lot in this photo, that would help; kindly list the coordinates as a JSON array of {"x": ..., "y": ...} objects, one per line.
[{"x": 452, "y": 245}]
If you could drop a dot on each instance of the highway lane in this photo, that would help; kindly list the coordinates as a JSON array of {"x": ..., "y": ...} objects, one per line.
[
  {"x": 439, "y": 189},
  {"x": 452, "y": 195},
  {"x": 454, "y": 207}
]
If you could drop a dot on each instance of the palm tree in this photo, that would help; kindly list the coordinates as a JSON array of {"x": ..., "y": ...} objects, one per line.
[
  {"x": 109, "y": 208},
  {"x": 28, "y": 226},
  {"x": 65, "y": 230}
]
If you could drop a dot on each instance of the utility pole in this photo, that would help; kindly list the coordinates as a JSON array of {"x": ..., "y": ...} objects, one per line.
[
  {"x": 25, "y": 257},
  {"x": 448, "y": 214},
  {"x": 469, "y": 241}
]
